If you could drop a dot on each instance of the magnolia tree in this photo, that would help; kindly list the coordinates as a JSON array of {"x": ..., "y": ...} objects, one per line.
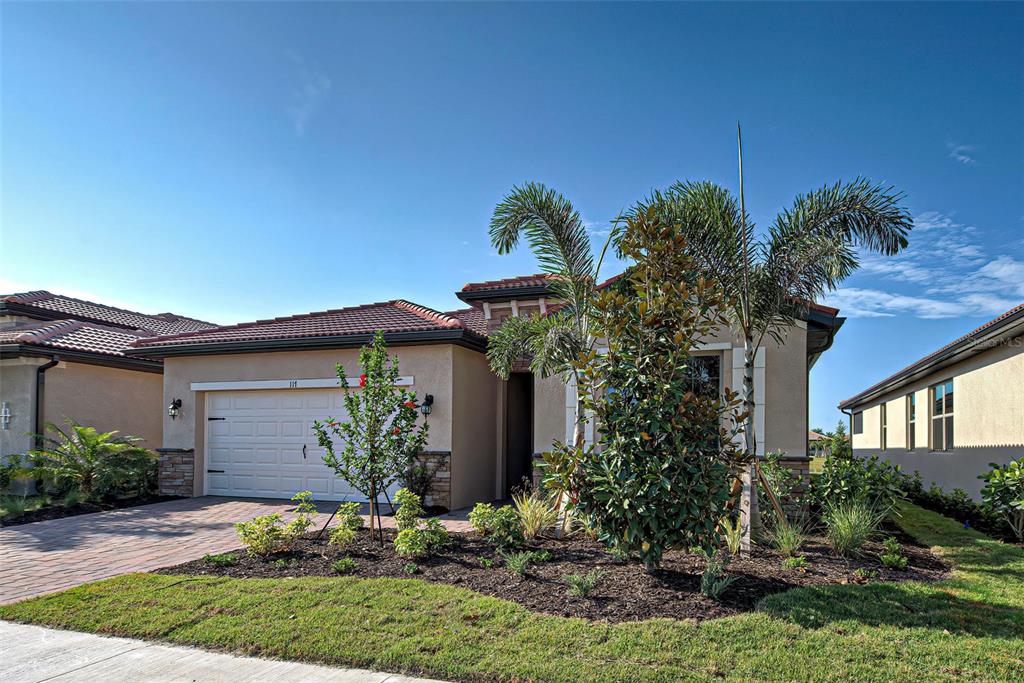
[
  {"x": 661, "y": 473},
  {"x": 381, "y": 438}
]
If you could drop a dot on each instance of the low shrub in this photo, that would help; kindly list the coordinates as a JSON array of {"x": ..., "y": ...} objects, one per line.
[
  {"x": 411, "y": 568},
  {"x": 409, "y": 511},
  {"x": 342, "y": 536},
  {"x": 345, "y": 565},
  {"x": 714, "y": 581},
  {"x": 957, "y": 505},
  {"x": 348, "y": 515},
  {"x": 269, "y": 534},
  {"x": 1003, "y": 494},
  {"x": 876, "y": 483},
  {"x": 537, "y": 512},
  {"x": 501, "y": 525},
  {"x": 863, "y": 574},
  {"x": 421, "y": 540},
  {"x": 796, "y": 562},
  {"x": 580, "y": 585},
  {"x": 222, "y": 560},
  {"x": 893, "y": 557},
  {"x": 72, "y": 498},
  {"x": 14, "y": 506},
  {"x": 519, "y": 562},
  {"x": 788, "y": 537},
  {"x": 412, "y": 543},
  {"x": 482, "y": 518},
  {"x": 485, "y": 562},
  {"x": 732, "y": 533},
  {"x": 850, "y": 525}
]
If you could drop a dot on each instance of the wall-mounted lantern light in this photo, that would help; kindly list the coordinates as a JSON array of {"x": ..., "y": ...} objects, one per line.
[
  {"x": 428, "y": 401},
  {"x": 5, "y": 416},
  {"x": 174, "y": 409}
]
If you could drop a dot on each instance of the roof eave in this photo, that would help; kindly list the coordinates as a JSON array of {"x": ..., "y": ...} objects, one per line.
[
  {"x": 503, "y": 293},
  {"x": 78, "y": 356},
  {"x": 458, "y": 337},
  {"x": 1009, "y": 328}
]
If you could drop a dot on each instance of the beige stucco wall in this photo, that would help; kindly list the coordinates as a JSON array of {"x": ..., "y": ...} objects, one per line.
[
  {"x": 988, "y": 403},
  {"x": 549, "y": 412},
  {"x": 785, "y": 393},
  {"x": 474, "y": 428},
  {"x": 18, "y": 389},
  {"x": 129, "y": 401},
  {"x": 430, "y": 366}
]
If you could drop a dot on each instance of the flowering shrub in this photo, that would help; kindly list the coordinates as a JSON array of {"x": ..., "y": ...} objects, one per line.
[{"x": 381, "y": 437}]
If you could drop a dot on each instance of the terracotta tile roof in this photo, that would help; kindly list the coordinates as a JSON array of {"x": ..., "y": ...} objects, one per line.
[
  {"x": 75, "y": 335},
  {"x": 62, "y": 307},
  {"x": 389, "y": 316},
  {"x": 472, "y": 318},
  {"x": 965, "y": 340},
  {"x": 537, "y": 280}
]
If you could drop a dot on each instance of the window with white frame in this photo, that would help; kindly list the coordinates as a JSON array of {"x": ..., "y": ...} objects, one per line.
[
  {"x": 884, "y": 428},
  {"x": 911, "y": 421},
  {"x": 942, "y": 416}
]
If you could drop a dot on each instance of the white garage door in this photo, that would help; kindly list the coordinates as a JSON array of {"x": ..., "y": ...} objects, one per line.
[{"x": 261, "y": 444}]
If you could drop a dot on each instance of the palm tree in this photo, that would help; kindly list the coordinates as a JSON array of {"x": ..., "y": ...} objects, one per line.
[
  {"x": 809, "y": 249},
  {"x": 559, "y": 240},
  {"x": 90, "y": 461}
]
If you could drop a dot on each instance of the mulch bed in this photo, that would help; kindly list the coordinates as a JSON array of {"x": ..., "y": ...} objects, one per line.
[
  {"x": 624, "y": 593},
  {"x": 58, "y": 511}
]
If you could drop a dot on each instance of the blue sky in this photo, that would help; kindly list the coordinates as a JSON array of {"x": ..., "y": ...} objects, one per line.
[{"x": 234, "y": 162}]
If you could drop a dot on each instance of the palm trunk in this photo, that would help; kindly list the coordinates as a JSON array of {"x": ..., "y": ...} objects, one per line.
[
  {"x": 749, "y": 513},
  {"x": 579, "y": 442}
]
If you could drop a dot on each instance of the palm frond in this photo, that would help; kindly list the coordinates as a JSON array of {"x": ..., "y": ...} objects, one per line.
[
  {"x": 813, "y": 245},
  {"x": 708, "y": 217},
  {"x": 556, "y": 236}
]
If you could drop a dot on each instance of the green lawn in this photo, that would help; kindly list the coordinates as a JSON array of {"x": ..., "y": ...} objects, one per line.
[{"x": 970, "y": 627}]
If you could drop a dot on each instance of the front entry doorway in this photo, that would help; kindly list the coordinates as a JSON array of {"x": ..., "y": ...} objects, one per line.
[{"x": 518, "y": 432}]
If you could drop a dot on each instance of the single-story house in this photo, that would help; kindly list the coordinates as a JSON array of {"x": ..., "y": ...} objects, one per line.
[
  {"x": 62, "y": 357},
  {"x": 249, "y": 394},
  {"x": 951, "y": 413}
]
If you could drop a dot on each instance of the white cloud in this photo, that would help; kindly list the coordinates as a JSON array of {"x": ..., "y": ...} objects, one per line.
[
  {"x": 308, "y": 97},
  {"x": 961, "y": 153},
  {"x": 875, "y": 303},
  {"x": 945, "y": 272}
]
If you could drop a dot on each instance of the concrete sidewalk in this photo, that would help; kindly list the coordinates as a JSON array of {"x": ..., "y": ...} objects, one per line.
[{"x": 32, "y": 654}]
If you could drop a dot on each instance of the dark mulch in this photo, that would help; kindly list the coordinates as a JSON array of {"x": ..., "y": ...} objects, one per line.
[
  {"x": 58, "y": 511},
  {"x": 624, "y": 593}
]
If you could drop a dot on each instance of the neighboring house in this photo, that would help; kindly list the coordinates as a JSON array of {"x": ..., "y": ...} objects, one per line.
[
  {"x": 62, "y": 357},
  {"x": 250, "y": 392},
  {"x": 951, "y": 413}
]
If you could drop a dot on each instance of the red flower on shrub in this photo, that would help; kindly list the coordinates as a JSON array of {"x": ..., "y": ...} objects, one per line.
[
  {"x": 362, "y": 380},
  {"x": 396, "y": 431},
  {"x": 410, "y": 404}
]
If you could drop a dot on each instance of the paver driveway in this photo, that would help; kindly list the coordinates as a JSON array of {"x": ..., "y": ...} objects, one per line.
[{"x": 43, "y": 557}]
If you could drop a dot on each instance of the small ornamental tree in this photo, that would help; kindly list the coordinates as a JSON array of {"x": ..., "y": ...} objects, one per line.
[
  {"x": 375, "y": 447},
  {"x": 661, "y": 473}
]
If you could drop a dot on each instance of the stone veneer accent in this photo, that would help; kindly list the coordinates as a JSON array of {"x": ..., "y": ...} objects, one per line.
[
  {"x": 176, "y": 471},
  {"x": 439, "y": 469},
  {"x": 800, "y": 465}
]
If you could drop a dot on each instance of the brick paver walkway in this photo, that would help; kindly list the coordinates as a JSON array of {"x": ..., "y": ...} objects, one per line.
[{"x": 44, "y": 557}]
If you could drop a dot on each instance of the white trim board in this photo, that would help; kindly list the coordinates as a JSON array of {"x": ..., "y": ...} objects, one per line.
[{"x": 256, "y": 384}]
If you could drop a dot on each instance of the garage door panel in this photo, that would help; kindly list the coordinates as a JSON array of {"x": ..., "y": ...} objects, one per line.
[
  {"x": 293, "y": 428},
  {"x": 256, "y": 437}
]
